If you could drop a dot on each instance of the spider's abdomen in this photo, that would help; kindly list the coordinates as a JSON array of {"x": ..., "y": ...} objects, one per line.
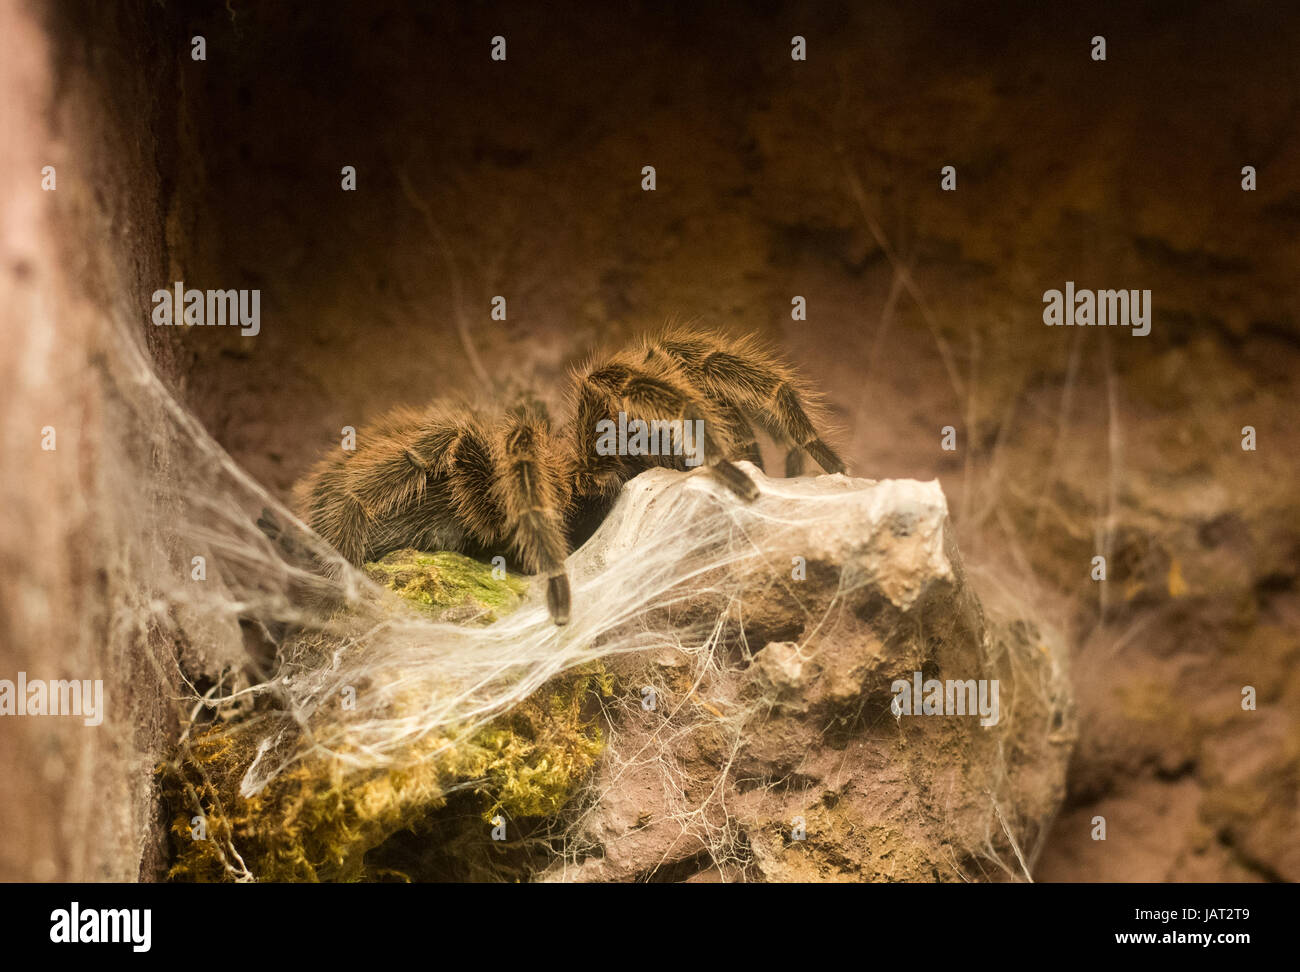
[
  {"x": 447, "y": 478},
  {"x": 415, "y": 480}
]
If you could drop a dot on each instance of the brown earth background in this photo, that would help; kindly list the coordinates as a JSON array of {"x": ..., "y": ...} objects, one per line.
[{"x": 776, "y": 178}]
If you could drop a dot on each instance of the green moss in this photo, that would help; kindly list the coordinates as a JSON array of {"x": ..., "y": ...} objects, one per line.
[
  {"x": 537, "y": 754},
  {"x": 449, "y": 586},
  {"x": 318, "y": 820}
]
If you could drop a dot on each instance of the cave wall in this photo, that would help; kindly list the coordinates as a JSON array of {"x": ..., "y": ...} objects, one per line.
[
  {"x": 85, "y": 89},
  {"x": 225, "y": 173}
]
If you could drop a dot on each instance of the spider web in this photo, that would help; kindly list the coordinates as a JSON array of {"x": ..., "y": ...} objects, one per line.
[{"x": 638, "y": 588}]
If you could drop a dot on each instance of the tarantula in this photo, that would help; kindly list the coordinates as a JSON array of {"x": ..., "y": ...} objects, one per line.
[{"x": 454, "y": 477}]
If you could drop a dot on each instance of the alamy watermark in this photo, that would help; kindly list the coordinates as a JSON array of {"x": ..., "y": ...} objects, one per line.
[
  {"x": 1100, "y": 308},
  {"x": 209, "y": 308},
  {"x": 38, "y": 697},
  {"x": 75, "y": 925},
  {"x": 952, "y": 697},
  {"x": 658, "y": 437}
]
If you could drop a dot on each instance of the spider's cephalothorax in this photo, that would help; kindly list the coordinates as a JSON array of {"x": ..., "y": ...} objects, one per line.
[{"x": 455, "y": 477}]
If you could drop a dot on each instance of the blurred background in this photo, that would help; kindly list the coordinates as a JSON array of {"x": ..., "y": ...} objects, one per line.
[{"x": 776, "y": 179}]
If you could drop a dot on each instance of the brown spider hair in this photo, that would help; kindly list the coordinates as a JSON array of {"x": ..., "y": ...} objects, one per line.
[{"x": 457, "y": 477}]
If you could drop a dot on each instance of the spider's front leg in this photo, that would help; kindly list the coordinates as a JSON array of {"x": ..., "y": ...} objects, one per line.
[
  {"x": 531, "y": 486},
  {"x": 738, "y": 375},
  {"x": 631, "y": 416}
]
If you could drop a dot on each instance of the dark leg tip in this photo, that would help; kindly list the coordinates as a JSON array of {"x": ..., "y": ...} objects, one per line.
[
  {"x": 736, "y": 481},
  {"x": 826, "y": 457},
  {"x": 269, "y": 524},
  {"x": 557, "y": 598},
  {"x": 794, "y": 463}
]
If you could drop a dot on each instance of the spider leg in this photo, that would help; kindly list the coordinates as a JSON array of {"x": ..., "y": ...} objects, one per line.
[
  {"x": 658, "y": 395},
  {"x": 469, "y": 468},
  {"x": 333, "y": 510},
  {"x": 742, "y": 433},
  {"x": 742, "y": 375},
  {"x": 529, "y": 484}
]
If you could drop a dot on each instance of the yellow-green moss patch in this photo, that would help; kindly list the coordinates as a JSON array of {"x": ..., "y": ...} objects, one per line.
[
  {"x": 318, "y": 820},
  {"x": 449, "y": 586}
]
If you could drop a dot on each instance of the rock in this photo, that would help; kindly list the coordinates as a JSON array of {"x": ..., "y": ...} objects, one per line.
[
  {"x": 731, "y": 700},
  {"x": 773, "y": 753}
]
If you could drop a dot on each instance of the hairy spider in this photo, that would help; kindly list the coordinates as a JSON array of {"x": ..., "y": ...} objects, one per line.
[{"x": 480, "y": 481}]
